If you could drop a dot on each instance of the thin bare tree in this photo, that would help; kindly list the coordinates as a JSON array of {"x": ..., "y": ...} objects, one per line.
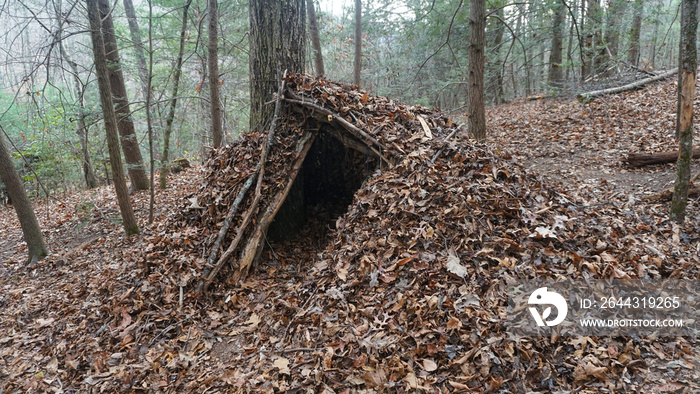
[
  {"x": 357, "y": 66},
  {"x": 165, "y": 160},
  {"x": 217, "y": 131},
  {"x": 315, "y": 38},
  {"x": 110, "y": 118},
  {"x": 477, "y": 39}
]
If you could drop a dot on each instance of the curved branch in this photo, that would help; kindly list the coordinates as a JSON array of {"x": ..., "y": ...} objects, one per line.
[{"x": 447, "y": 39}]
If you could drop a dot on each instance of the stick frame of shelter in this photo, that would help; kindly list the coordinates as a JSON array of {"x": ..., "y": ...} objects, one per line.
[
  {"x": 260, "y": 171},
  {"x": 255, "y": 243},
  {"x": 266, "y": 219},
  {"x": 375, "y": 146},
  {"x": 224, "y": 229}
]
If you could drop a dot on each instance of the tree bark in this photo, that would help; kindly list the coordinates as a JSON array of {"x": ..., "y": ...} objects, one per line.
[
  {"x": 495, "y": 37},
  {"x": 138, "y": 43},
  {"x": 635, "y": 34},
  {"x": 477, "y": 24},
  {"x": 217, "y": 131},
  {"x": 110, "y": 119},
  {"x": 315, "y": 39},
  {"x": 23, "y": 206},
  {"x": 277, "y": 41},
  {"x": 556, "y": 75},
  {"x": 688, "y": 64},
  {"x": 165, "y": 160},
  {"x": 129, "y": 142},
  {"x": 357, "y": 66}
]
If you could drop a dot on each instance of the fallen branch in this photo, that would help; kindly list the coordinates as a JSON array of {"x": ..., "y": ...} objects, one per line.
[
  {"x": 634, "y": 85},
  {"x": 646, "y": 159},
  {"x": 452, "y": 133},
  {"x": 254, "y": 247}
]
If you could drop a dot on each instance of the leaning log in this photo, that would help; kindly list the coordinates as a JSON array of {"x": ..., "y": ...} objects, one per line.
[
  {"x": 632, "y": 86},
  {"x": 646, "y": 159}
]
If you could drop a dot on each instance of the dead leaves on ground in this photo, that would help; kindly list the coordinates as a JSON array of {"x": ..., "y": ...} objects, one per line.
[{"x": 407, "y": 294}]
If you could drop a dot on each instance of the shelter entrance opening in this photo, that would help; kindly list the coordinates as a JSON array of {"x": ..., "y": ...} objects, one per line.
[{"x": 324, "y": 188}]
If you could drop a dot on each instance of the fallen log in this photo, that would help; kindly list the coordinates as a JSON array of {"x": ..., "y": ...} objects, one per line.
[
  {"x": 634, "y": 85},
  {"x": 646, "y": 159}
]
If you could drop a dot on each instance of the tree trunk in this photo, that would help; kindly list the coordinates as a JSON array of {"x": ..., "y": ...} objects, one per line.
[
  {"x": 110, "y": 119},
  {"x": 495, "y": 74},
  {"x": 635, "y": 34},
  {"x": 129, "y": 142},
  {"x": 138, "y": 43},
  {"x": 616, "y": 13},
  {"x": 526, "y": 57},
  {"x": 654, "y": 41},
  {"x": 556, "y": 75},
  {"x": 688, "y": 63},
  {"x": 592, "y": 39},
  {"x": 277, "y": 41},
  {"x": 573, "y": 25},
  {"x": 477, "y": 24},
  {"x": 357, "y": 67},
  {"x": 315, "y": 39},
  {"x": 23, "y": 206},
  {"x": 165, "y": 160},
  {"x": 217, "y": 130},
  {"x": 82, "y": 131}
]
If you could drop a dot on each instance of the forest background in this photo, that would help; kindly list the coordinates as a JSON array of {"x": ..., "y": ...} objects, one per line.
[{"x": 414, "y": 51}]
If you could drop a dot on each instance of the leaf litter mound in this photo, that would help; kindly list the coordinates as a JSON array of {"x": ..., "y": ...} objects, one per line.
[{"x": 404, "y": 291}]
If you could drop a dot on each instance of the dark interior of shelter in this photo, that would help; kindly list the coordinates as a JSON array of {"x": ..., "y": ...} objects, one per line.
[{"x": 322, "y": 191}]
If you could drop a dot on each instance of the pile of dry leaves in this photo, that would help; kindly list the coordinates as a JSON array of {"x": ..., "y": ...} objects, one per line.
[{"x": 405, "y": 291}]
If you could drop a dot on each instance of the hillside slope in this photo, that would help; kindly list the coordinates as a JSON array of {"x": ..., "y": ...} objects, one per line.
[{"x": 375, "y": 302}]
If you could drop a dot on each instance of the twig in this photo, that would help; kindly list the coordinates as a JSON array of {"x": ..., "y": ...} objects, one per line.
[
  {"x": 439, "y": 152},
  {"x": 299, "y": 349},
  {"x": 104, "y": 327},
  {"x": 302, "y": 309},
  {"x": 166, "y": 329}
]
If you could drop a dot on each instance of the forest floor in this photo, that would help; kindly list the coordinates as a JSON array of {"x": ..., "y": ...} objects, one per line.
[{"x": 64, "y": 326}]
